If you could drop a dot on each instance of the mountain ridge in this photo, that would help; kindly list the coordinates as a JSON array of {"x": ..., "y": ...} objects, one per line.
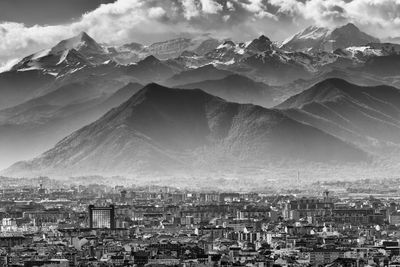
[
  {"x": 315, "y": 38},
  {"x": 369, "y": 115},
  {"x": 174, "y": 128}
]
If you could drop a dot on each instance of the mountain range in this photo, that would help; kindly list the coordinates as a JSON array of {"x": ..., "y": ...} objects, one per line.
[
  {"x": 322, "y": 99},
  {"x": 167, "y": 129}
]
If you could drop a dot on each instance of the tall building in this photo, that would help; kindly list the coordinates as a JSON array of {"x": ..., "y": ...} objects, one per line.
[
  {"x": 41, "y": 190},
  {"x": 102, "y": 217}
]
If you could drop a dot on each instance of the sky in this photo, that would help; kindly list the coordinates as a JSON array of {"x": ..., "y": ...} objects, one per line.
[
  {"x": 46, "y": 12},
  {"x": 27, "y": 26}
]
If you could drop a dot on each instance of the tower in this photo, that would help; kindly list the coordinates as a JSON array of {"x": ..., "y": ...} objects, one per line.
[
  {"x": 102, "y": 217},
  {"x": 123, "y": 195},
  {"x": 326, "y": 196},
  {"x": 327, "y": 202},
  {"x": 41, "y": 190}
]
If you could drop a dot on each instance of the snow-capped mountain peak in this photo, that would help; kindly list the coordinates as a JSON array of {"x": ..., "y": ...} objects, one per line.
[
  {"x": 312, "y": 32},
  {"x": 80, "y": 50},
  {"x": 309, "y": 33},
  {"x": 81, "y": 42},
  {"x": 306, "y": 39},
  {"x": 323, "y": 39}
]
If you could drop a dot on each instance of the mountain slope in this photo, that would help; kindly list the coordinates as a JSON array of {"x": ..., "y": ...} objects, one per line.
[
  {"x": 237, "y": 88},
  {"x": 322, "y": 39},
  {"x": 163, "y": 129},
  {"x": 382, "y": 66},
  {"x": 306, "y": 39},
  {"x": 277, "y": 68},
  {"x": 207, "y": 72},
  {"x": 19, "y": 86},
  {"x": 349, "y": 35},
  {"x": 368, "y": 116},
  {"x": 71, "y": 61},
  {"x": 36, "y": 125},
  {"x": 150, "y": 69}
]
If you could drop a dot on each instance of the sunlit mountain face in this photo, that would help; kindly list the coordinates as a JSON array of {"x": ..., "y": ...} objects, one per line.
[{"x": 325, "y": 101}]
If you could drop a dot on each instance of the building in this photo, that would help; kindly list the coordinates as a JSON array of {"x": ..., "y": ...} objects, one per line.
[
  {"x": 321, "y": 257},
  {"x": 366, "y": 216},
  {"x": 8, "y": 224},
  {"x": 48, "y": 263},
  {"x": 394, "y": 218},
  {"x": 308, "y": 207},
  {"x": 102, "y": 217},
  {"x": 40, "y": 217},
  {"x": 15, "y": 239}
]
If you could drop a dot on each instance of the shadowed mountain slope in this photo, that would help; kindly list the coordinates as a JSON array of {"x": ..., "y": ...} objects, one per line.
[{"x": 163, "y": 129}]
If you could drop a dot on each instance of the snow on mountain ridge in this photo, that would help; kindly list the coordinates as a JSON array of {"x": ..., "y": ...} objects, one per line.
[
  {"x": 323, "y": 39},
  {"x": 311, "y": 32},
  {"x": 79, "y": 42}
]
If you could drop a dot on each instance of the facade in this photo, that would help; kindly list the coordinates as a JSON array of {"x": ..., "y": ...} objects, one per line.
[
  {"x": 394, "y": 218},
  {"x": 308, "y": 207},
  {"x": 205, "y": 213},
  {"x": 41, "y": 217},
  {"x": 102, "y": 217},
  {"x": 321, "y": 257},
  {"x": 357, "y": 216},
  {"x": 8, "y": 224}
]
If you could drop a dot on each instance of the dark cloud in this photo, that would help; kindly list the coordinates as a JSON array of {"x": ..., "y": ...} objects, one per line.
[{"x": 31, "y": 12}]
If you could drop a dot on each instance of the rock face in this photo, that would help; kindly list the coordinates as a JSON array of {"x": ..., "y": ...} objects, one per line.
[
  {"x": 163, "y": 129},
  {"x": 322, "y": 39},
  {"x": 169, "y": 49},
  {"x": 260, "y": 44}
]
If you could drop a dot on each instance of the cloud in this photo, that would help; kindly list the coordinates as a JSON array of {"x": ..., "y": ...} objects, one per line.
[
  {"x": 19, "y": 40},
  {"x": 230, "y": 6},
  {"x": 156, "y": 12},
  {"x": 148, "y": 21},
  {"x": 126, "y": 21},
  {"x": 119, "y": 22},
  {"x": 190, "y": 9},
  {"x": 256, "y": 7},
  {"x": 210, "y": 6},
  {"x": 379, "y": 17}
]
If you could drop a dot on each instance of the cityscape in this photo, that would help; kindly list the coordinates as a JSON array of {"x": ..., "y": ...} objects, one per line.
[{"x": 53, "y": 223}]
